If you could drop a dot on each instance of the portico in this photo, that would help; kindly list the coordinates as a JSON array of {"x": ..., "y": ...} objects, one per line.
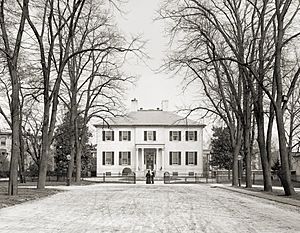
[{"x": 149, "y": 156}]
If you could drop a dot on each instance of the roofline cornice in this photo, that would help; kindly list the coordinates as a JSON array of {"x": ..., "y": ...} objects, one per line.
[{"x": 152, "y": 125}]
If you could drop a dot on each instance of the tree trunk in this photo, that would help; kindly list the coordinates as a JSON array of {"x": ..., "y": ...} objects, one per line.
[
  {"x": 247, "y": 134},
  {"x": 284, "y": 173},
  {"x": 73, "y": 125},
  {"x": 78, "y": 161},
  {"x": 45, "y": 148},
  {"x": 71, "y": 161},
  {"x": 15, "y": 152},
  {"x": 22, "y": 155},
  {"x": 236, "y": 151},
  {"x": 261, "y": 144}
]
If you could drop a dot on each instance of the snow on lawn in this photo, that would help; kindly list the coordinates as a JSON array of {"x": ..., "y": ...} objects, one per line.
[{"x": 149, "y": 208}]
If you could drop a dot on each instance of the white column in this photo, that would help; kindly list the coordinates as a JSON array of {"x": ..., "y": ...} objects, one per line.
[
  {"x": 156, "y": 167},
  {"x": 163, "y": 159},
  {"x": 142, "y": 168},
  {"x": 136, "y": 159}
]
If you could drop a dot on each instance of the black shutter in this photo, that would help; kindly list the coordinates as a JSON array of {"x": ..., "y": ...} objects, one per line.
[
  {"x": 179, "y": 159},
  {"x": 113, "y": 135},
  {"x": 103, "y": 135},
  {"x": 120, "y": 135},
  {"x": 120, "y": 158},
  {"x": 186, "y": 135},
  {"x": 170, "y": 135},
  {"x": 113, "y": 158},
  {"x": 186, "y": 158},
  {"x": 129, "y": 135},
  {"x": 195, "y": 135},
  {"x": 129, "y": 158},
  {"x": 195, "y": 158},
  {"x": 103, "y": 158},
  {"x": 170, "y": 158},
  {"x": 154, "y": 135},
  {"x": 145, "y": 135},
  {"x": 179, "y": 134}
]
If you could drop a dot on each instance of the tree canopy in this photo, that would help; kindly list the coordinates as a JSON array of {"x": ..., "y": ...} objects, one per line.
[{"x": 222, "y": 151}]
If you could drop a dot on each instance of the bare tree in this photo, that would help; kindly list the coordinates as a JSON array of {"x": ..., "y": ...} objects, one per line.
[
  {"x": 94, "y": 83},
  {"x": 11, "y": 49}
]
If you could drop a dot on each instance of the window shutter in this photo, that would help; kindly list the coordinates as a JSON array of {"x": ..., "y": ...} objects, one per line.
[
  {"x": 186, "y": 135},
  {"x": 179, "y": 158},
  {"x": 154, "y": 135},
  {"x": 170, "y": 158},
  {"x": 145, "y": 135},
  {"x": 195, "y": 158},
  {"x": 113, "y": 158},
  {"x": 179, "y": 135},
  {"x": 170, "y": 135},
  {"x": 129, "y": 158},
  {"x": 195, "y": 135},
  {"x": 103, "y": 135},
  {"x": 120, "y": 135},
  {"x": 113, "y": 138},
  {"x": 120, "y": 158},
  {"x": 129, "y": 135},
  {"x": 103, "y": 158},
  {"x": 186, "y": 158}
]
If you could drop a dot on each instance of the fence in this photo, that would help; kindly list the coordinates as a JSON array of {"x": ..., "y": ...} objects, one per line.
[
  {"x": 117, "y": 178},
  {"x": 189, "y": 179}
]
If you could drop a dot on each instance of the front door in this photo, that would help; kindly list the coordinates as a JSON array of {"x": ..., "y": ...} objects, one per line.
[{"x": 150, "y": 160}]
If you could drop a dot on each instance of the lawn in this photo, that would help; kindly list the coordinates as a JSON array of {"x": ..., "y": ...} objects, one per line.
[{"x": 27, "y": 192}]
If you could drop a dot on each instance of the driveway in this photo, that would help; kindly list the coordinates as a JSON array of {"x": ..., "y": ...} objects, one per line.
[{"x": 150, "y": 208}]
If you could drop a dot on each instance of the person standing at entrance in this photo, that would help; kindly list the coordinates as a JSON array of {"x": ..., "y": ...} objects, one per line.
[
  {"x": 148, "y": 177},
  {"x": 152, "y": 176}
]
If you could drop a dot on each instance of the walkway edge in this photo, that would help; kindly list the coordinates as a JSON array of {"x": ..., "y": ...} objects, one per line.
[{"x": 282, "y": 200}]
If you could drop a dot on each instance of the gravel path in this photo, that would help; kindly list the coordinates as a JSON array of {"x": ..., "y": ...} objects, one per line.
[{"x": 150, "y": 208}]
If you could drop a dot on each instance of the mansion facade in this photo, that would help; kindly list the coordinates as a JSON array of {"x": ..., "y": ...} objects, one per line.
[{"x": 150, "y": 140}]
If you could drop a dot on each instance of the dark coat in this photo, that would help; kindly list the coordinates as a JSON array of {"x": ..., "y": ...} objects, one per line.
[
  {"x": 152, "y": 177},
  {"x": 148, "y": 176}
]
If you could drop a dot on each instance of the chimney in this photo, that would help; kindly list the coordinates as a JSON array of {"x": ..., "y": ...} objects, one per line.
[
  {"x": 164, "y": 105},
  {"x": 134, "y": 105}
]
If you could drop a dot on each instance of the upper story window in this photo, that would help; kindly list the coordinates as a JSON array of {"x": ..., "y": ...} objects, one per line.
[
  {"x": 124, "y": 135},
  {"x": 149, "y": 135},
  {"x": 3, "y": 141},
  {"x": 124, "y": 158},
  {"x": 191, "y": 135},
  {"x": 191, "y": 158},
  {"x": 175, "y": 158},
  {"x": 108, "y": 135},
  {"x": 175, "y": 135},
  {"x": 107, "y": 158}
]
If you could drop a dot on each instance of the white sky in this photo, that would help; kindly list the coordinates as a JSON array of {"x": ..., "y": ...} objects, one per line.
[{"x": 152, "y": 87}]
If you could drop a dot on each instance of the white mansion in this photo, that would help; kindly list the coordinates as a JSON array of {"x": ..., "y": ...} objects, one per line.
[{"x": 150, "y": 139}]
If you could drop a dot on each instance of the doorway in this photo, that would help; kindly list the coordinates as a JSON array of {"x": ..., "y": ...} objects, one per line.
[{"x": 150, "y": 158}]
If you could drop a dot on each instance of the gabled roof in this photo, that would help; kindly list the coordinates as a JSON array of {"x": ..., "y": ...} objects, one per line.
[{"x": 152, "y": 118}]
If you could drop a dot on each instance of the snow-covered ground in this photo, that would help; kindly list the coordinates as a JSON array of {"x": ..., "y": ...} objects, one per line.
[{"x": 150, "y": 208}]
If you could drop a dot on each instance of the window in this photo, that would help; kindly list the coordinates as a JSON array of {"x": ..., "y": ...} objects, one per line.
[
  {"x": 108, "y": 135},
  {"x": 191, "y": 135},
  {"x": 108, "y": 158},
  {"x": 124, "y": 158},
  {"x": 175, "y": 174},
  {"x": 190, "y": 158},
  {"x": 3, "y": 141},
  {"x": 175, "y": 135},
  {"x": 124, "y": 135},
  {"x": 175, "y": 158},
  {"x": 149, "y": 135}
]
